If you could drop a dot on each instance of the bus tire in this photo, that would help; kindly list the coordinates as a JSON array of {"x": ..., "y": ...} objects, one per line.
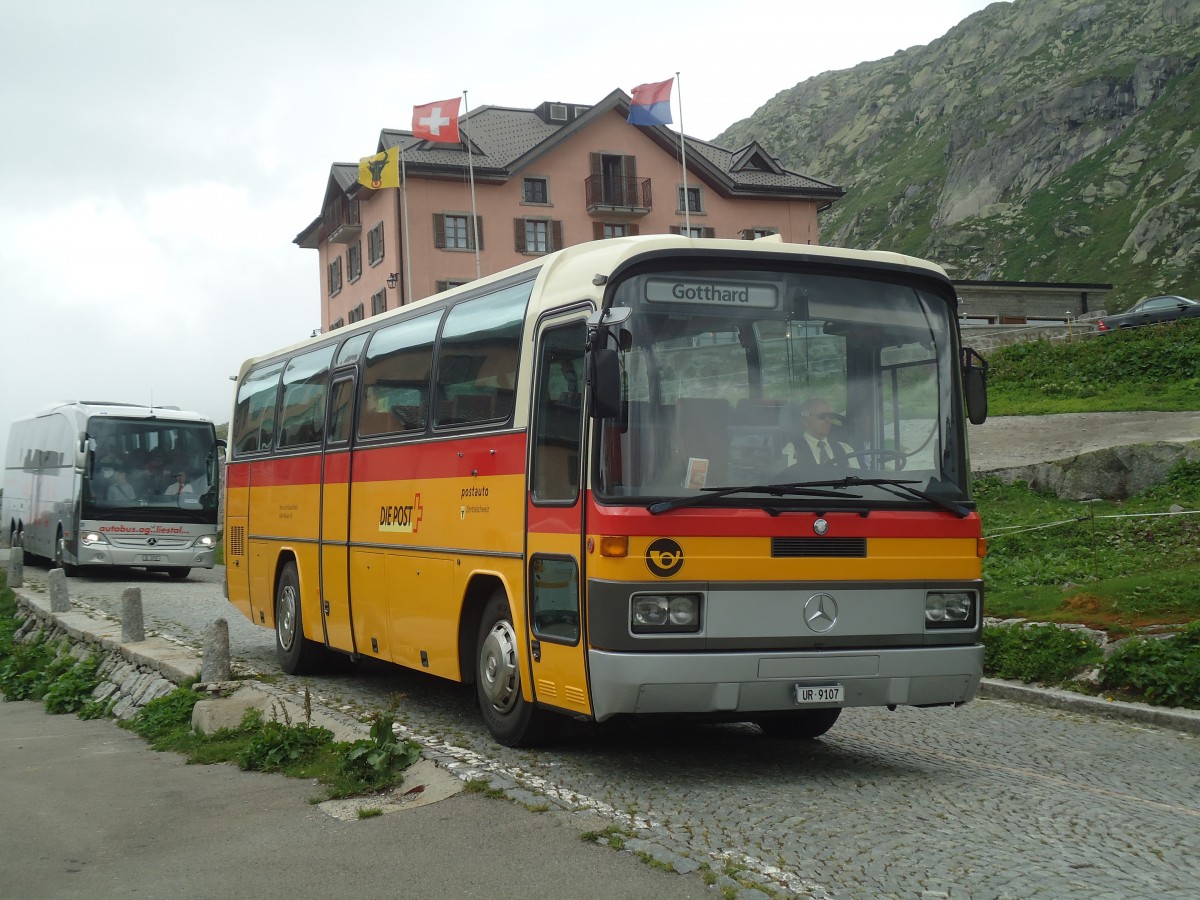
[
  {"x": 805, "y": 725},
  {"x": 179, "y": 572},
  {"x": 512, "y": 720},
  {"x": 297, "y": 655}
]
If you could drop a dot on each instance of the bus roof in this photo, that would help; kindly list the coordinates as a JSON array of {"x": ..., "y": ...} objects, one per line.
[
  {"x": 84, "y": 409},
  {"x": 600, "y": 258}
]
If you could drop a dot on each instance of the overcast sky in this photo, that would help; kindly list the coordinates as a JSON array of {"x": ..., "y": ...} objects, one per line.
[{"x": 158, "y": 157}]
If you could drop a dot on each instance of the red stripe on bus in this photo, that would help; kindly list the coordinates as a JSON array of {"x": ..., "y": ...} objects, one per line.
[
  {"x": 709, "y": 522},
  {"x": 481, "y": 456},
  {"x": 476, "y": 456}
]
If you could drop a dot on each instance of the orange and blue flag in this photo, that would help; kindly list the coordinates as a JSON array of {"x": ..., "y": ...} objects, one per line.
[{"x": 650, "y": 104}]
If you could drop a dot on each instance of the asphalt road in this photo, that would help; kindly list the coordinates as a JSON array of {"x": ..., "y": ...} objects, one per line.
[{"x": 990, "y": 800}]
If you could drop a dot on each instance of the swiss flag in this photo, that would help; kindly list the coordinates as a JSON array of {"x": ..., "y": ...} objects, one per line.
[{"x": 437, "y": 122}]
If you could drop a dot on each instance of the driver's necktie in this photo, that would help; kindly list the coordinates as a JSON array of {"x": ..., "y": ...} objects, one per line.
[{"x": 824, "y": 452}]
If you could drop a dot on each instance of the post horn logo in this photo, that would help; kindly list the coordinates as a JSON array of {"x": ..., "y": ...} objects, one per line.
[{"x": 664, "y": 557}]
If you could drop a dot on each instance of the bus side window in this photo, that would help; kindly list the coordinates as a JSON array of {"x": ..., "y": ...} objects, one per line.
[
  {"x": 396, "y": 377},
  {"x": 477, "y": 362},
  {"x": 305, "y": 389},
  {"x": 559, "y": 414},
  {"x": 254, "y": 415}
]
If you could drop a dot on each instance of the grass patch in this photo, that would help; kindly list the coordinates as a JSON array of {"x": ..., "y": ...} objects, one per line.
[
  {"x": 296, "y": 749},
  {"x": 1154, "y": 368},
  {"x": 1116, "y": 566}
]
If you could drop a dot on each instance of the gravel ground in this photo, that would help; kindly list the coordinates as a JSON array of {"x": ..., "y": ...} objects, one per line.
[{"x": 1004, "y": 442}]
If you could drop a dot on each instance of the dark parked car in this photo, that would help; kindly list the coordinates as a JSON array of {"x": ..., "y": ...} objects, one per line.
[{"x": 1151, "y": 312}]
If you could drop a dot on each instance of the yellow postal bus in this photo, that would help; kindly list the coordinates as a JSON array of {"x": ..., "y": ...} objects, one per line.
[{"x": 640, "y": 476}]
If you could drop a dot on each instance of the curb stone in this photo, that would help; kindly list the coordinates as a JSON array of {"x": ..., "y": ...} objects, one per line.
[
  {"x": 1177, "y": 718},
  {"x": 175, "y": 664}
]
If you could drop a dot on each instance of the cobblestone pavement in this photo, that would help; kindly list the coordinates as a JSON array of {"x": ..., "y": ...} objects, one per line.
[{"x": 993, "y": 800}]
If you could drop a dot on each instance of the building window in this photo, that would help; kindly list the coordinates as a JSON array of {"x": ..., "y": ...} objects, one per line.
[
  {"x": 693, "y": 200},
  {"x": 535, "y": 190},
  {"x": 695, "y": 231},
  {"x": 335, "y": 276},
  {"x": 602, "y": 230},
  {"x": 357, "y": 314},
  {"x": 440, "y": 286},
  {"x": 375, "y": 244},
  {"x": 339, "y": 323},
  {"x": 452, "y": 231},
  {"x": 537, "y": 235},
  {"x": 751, "y": 234},
  {"x": 379, "y": 302},
  {"x": 354, "y": 262}
]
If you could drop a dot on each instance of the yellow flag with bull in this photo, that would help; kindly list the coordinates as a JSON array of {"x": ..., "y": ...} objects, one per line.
[{"x": 381, "y": 170}]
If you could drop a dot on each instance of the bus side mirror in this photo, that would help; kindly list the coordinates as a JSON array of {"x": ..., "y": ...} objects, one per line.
[
  {"x": 606, "y": 326},
  {"x": 975, "y": 386},
  {"x": 84, "y": 450},
  {"x": 604, "y": 378}
]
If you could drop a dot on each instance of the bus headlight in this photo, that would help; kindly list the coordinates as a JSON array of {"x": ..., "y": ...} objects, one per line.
[
  {"x": 665, "y": 614},
  {"x": 206, "y": 541},
  {"x": 950, "y": 609},
  {"x": 91, "y": 538}
]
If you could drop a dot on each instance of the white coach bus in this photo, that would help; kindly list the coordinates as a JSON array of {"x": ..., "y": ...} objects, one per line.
[{"x": 113, "y": 484}]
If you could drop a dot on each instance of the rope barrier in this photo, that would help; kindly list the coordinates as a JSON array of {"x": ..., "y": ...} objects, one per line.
[{"x": 1009, "y": 530}]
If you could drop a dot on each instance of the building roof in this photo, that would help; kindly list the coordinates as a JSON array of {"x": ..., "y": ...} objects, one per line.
[{"x": 505, "y": 140}]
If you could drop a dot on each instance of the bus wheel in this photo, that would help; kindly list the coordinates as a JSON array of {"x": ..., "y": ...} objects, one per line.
[
  {"x": 297, "y": 655},
  {"x": 806, "y": 725},
  {"x": 179, "y": 572},
  {"x": 511, "y": 719}
]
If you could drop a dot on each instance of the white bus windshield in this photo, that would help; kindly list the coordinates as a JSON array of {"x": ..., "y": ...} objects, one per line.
[
  {"x": 140, "y": 468},
  {"x": 758, "y": 378}
]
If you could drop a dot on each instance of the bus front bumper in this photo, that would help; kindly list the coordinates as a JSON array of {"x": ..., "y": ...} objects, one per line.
[
  {"x": 730, "y": 684},
  {"x": 158, "y": 558}
]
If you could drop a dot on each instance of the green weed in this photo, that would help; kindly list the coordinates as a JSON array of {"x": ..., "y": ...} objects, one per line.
[{"x": 1163, "y": 671}]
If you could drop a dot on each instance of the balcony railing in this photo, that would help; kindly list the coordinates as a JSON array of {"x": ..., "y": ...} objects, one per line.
[
  {"x": 341, "y": 220},
  {"x": 627, "y": 195}
]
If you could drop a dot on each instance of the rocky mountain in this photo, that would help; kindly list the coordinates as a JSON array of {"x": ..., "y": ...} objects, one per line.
[{"x": 1037, "y": 140}]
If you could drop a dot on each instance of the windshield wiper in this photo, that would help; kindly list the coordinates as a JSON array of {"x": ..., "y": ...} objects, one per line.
[
  {"x": 808, "y": 489},
  {"x": 897, "y": 487}
]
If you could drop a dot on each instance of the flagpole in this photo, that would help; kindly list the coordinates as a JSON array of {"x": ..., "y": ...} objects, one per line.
[
  {"x": 687, "y": 213},
  {"x": 407, "y": 251},
  {"x": 471, "y": 171}
]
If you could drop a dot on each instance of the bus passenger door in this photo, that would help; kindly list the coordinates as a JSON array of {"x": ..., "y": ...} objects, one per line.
[
  {"x": 555, "y": 619},
  {"x": 336, "y": 617}
]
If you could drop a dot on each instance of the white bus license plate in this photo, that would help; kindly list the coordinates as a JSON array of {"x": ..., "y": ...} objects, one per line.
[
  {"x": 808, "y": 694},
  {"x": 149, "y": 557}
]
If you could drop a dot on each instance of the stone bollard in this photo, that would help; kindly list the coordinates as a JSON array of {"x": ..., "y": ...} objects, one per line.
[
  {"x": 133, "y": 629},
  {"x": 215, "y": 665},
  {"x": 60, "y": 599},
  {"x": 16, "y": 567}
]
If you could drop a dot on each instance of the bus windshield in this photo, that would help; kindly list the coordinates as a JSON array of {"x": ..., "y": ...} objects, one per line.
[
  {"x": 150, "y": 469},
  {"x": 838, "y": 385}
]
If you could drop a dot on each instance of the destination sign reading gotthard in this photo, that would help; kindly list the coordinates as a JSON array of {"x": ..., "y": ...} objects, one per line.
[{"x": 711, "y": 292}]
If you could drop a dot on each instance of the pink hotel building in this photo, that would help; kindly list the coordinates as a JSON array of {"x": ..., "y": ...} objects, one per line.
[{"x": 544, "y": 178}]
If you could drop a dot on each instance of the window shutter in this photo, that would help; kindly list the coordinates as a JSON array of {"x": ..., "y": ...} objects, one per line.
[
  {"x": 629, "y": 166},
  {"x": 597, "y": 231},
  {"x": 556, "y": 235},
  {"x": 710, "y": 232},
  {"x": 597, "y": 165},
  {"x": 439, "y": 230},
  {"x": 519, "y": 233},
  {"x": 478, "y": 232},
  {"x": 633, "y": 228}
]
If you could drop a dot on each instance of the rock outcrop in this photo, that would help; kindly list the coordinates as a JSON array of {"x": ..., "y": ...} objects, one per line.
[{"x": 1038, "y": 140}]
